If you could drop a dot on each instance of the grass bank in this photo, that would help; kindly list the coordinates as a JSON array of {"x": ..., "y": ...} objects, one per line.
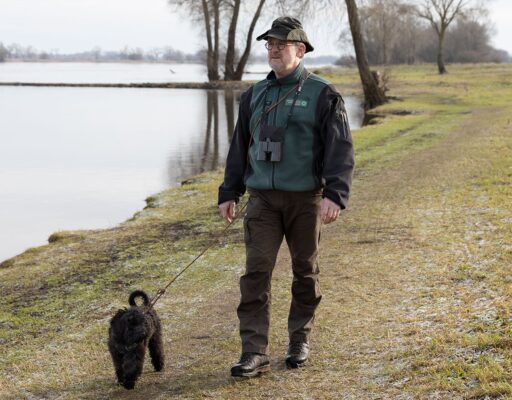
[{"x": 416, "y": 276}]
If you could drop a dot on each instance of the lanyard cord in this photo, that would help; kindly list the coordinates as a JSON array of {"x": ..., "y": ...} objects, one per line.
[
  {"x": 303, "y": 76},
  {"x": 161, "y": 291}
]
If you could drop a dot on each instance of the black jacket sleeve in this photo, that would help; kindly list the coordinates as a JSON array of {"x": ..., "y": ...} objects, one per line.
[
  {"x": 233, "y": 186},
  {"x": 338, "y": 150}
]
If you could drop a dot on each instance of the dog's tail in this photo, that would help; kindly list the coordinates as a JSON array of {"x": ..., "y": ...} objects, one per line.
[{"x": 138, "y": 293}]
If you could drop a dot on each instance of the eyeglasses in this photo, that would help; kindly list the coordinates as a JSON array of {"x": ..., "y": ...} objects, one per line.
[{"x": 280, "y": 45}]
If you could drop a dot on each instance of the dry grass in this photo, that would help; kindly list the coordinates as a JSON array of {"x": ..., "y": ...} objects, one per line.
[{"x": 416, "y": 276}]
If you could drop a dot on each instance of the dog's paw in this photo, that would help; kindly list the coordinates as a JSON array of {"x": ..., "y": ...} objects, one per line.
[{"x": 128, "y": 384}]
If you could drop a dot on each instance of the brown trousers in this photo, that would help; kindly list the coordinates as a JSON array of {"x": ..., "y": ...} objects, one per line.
[{"x": 272, "y": 214}]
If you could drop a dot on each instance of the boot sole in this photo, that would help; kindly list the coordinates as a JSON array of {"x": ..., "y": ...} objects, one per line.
[
  {"x": 293, "y": 365},
  {"x": 252, "y": 374}
]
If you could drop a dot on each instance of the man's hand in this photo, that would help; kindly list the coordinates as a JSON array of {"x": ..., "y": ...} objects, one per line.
[
  {"x": 227, "y": 210},
  {"x": 329, "y": 211}
]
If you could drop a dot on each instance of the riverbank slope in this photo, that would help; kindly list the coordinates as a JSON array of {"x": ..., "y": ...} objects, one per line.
[{"x": 415, "y": 276}]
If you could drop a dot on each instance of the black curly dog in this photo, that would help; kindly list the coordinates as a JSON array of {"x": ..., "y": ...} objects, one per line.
[{"x": 131, "y": 331}]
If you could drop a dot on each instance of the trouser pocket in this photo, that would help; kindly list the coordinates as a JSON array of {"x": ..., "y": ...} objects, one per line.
[{"x": 252, "y": 215}]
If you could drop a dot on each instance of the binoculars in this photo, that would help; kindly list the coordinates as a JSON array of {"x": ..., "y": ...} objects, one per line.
[{"x": 270, "y": 144}]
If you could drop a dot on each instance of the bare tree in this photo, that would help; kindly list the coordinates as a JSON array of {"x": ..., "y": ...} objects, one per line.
[
  {"x": 374, "y": 94},
  {"x": 440, "y": 14},
  {"x": 383, "y": 24},
  {"x": 96, "y": 52},
  {"x": 207, "y": 12},
  {"x": 213, "y": 13},
  {"x": 232, "y": 71},
  {"x": 222, "y": 17},
  {"x": 3, "y": 52},
  {"x": 378, "y": 20},
  {"x": 394, "y": 33},
  {"x": 408, "y": 35},
  {"x": 212, "y": 54}
]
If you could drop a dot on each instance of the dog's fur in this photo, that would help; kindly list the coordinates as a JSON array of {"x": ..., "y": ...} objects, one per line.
[{"x": 131, "y": 331}]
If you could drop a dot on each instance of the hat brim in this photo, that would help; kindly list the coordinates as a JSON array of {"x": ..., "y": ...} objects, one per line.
[
  {"x": 273, "y": 34},
  {"x": 278, "y": 35}
]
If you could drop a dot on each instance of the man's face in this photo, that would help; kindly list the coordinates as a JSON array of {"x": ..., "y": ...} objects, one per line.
[{"x": 284, "y": 61}]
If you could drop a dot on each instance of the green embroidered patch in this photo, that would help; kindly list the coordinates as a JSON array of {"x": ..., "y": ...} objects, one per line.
[{"x": 298, "y": 103}]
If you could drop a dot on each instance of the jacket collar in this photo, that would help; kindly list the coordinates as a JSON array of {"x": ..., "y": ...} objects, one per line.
[{"x": 288, "y": 79}]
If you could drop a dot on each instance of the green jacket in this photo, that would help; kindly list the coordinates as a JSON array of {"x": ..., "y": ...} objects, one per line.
[{"x": 317, "y": 150}]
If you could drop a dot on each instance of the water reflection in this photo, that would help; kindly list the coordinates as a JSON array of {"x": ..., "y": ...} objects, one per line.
[
  {"x": 210, "y": 158},
  {"x": 229, "y": 102},
  {"x": 220, "y": 113},
  {"x": 208, "y": 143}
]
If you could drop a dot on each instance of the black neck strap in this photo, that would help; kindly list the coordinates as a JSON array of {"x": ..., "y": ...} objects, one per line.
[{"x": 298, "y": 88}]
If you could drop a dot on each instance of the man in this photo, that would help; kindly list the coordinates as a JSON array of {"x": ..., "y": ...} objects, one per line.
[{"x": 292, "y": 149}]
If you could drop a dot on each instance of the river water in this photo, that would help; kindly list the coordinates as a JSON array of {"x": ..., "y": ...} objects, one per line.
[{"x": 86, "y": 158}]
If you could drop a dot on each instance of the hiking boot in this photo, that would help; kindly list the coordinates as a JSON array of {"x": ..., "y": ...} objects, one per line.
[
  {"x": 297, "y": 355},
  {"x": 251, "y": 364}
]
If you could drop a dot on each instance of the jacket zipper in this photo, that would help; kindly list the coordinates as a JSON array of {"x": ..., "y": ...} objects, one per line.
[{"x": 275, "y": 120}]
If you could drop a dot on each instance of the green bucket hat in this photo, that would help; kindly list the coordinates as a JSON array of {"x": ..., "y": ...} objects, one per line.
[{"x": 287, "y": 28}]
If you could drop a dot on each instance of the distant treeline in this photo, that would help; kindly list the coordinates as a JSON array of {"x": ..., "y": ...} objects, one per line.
[
  {"x": 29, "y": 53},
  {"x": 167, "y": 54},
  {"x": 394, "y": 34}
]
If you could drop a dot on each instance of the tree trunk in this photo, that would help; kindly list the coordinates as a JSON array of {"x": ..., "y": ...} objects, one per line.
[
  {"x": 440, "y": 59},
  {"x": 212, "y": 54},
  {"x": 441, "y": 14},
  {"x": 216, "y": 23},
  {"x": 232, "y": 72},
  {"x": 373, "y": 94},
  {"x": 229, "y": 65},
  {"x": 245, "y": 56}
]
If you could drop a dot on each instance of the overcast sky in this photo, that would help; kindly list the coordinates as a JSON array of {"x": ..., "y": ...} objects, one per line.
[{"x": 77, "y": 25}]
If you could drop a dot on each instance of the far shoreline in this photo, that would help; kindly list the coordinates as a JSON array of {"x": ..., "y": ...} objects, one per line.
[{"x": 150, "y": 85}]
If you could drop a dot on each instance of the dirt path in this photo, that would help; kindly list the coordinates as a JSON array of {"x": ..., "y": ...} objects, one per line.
[
  {"x": 388, "y": 269},
  {"x": 389, "y": 277}
]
